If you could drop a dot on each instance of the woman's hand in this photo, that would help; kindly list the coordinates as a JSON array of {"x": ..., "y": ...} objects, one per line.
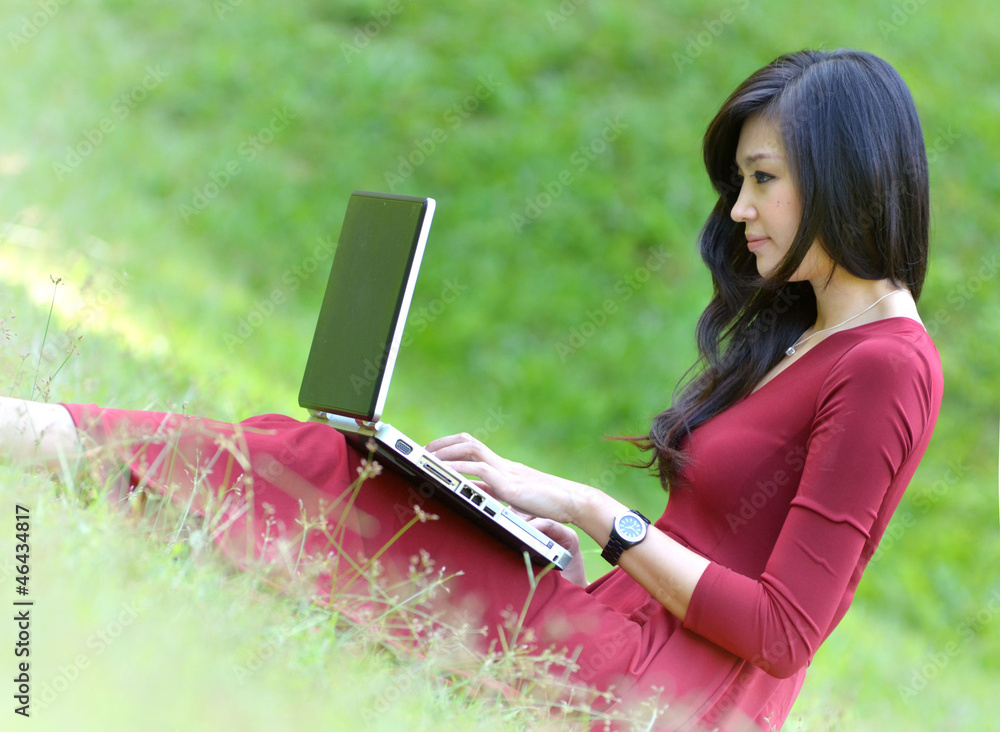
[
  {"x": 668, "y": 570},
  {"x": 562, "y": 534},
  {"x": 525, "y": 489}
]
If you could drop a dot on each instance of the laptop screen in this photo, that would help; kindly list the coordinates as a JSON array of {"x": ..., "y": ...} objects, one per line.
[{"x": 364, "y": 309}]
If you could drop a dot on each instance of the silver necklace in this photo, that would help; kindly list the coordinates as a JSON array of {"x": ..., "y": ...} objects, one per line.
[{"x": 791, "y": 349}]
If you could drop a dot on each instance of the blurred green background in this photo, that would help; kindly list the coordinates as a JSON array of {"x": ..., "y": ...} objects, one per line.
[{"x": 182, "y": 165}]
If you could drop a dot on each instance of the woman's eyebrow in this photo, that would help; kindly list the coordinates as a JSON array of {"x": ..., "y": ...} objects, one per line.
[{"x": 762, "y": 155}]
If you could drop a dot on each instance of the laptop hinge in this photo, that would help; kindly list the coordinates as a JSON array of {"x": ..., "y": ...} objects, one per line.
[{"x": 345, "y": 424}]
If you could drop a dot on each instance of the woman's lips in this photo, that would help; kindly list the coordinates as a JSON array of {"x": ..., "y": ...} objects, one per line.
[{"x": 755, "y": 243}]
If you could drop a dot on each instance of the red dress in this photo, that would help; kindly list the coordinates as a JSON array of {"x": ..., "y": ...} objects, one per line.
[{"x": 788, "y": 493}]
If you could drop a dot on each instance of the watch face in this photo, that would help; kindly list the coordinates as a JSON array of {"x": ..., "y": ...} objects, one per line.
[{"x": 631, "y": 527}]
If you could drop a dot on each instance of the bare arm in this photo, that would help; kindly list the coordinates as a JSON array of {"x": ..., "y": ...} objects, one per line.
[
  {"x": 668, "y": 570},
  {"x": 37, "y": 433}
]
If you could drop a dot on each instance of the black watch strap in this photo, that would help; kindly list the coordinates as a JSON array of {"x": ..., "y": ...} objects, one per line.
[{"x": 618, "y": 544}]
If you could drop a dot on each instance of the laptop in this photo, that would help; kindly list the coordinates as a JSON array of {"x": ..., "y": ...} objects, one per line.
[{"x": 354, "y": 349}]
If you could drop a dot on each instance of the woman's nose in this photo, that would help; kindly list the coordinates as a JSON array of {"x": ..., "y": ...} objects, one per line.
[{"x": 742, "y": 209}]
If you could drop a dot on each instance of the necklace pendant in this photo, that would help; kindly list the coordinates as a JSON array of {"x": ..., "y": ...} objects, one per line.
[{"x": 790, "y": 351}]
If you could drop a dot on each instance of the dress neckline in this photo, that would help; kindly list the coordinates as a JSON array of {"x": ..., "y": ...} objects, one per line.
[{"x": 805, "y": 355}]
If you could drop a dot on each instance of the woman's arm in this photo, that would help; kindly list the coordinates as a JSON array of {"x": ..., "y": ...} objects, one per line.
[
  {"x": 665, "y": 568},
  {"x": 875, "y": 414},
  {"x": 38, "y": 433}
]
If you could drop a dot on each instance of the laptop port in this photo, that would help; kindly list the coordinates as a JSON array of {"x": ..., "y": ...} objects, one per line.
[
  {"x": 438, "y": 472},
  {"x": 404, "y": 447},
  {"x": 473, "y": 495},
  {"x": 489, "y": 511}
]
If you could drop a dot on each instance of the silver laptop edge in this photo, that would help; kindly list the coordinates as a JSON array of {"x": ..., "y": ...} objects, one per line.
[
  {"x": 424, "y": 464},
  {"x": 411, "y": 282},
  {"x": 413, "y": 460}
]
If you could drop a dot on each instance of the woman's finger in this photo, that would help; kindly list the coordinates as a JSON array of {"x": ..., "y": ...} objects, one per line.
[
  {"x": 440, "y": 442},
  {"x": 558, "y": 532},
  {"x": 469, "y": 452},
  {"x": 484, "y": 487},
  {"x": 529, "y": 517},
  {"x": 462, "y": 439},
  {"x": 491, "y": 476}
]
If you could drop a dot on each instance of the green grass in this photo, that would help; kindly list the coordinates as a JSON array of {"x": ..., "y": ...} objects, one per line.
[
  {"x": 128, "y": 636},
  {"x": 157, "y": 298}
]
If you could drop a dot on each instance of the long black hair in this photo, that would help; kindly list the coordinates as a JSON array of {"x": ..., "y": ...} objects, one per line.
[{"x": 856, "y": 153}]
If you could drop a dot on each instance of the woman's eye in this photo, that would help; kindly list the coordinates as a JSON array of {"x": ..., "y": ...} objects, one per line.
[{"x": 758, "y": 177}]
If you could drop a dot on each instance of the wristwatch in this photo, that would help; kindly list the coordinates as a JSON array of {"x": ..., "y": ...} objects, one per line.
[{"x": 628, "y": 530}]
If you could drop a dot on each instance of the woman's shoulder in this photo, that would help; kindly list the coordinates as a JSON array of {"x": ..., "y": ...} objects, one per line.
[
  {"x": 890, "y": 340},
  {"x": 884, "y": 355}
]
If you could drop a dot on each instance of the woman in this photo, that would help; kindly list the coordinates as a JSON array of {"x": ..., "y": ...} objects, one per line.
[{"x": 815, "y": 397}]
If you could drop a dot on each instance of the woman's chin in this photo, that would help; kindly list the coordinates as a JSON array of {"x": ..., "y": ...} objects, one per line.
[{"x": 764, "y": 266}]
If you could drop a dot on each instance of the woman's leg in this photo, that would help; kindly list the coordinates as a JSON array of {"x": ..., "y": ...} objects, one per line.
[
  {"x": 38, "y": 433},
  {"x": 278, "y": 494}
]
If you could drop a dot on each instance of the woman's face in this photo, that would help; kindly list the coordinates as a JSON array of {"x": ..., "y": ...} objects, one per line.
[{"x": 769, "y": 203}]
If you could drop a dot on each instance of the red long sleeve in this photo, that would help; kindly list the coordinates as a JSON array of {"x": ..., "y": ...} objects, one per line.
[
  {"x": 874, "y": 412},
  {"x": 787, "y": 493}
]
